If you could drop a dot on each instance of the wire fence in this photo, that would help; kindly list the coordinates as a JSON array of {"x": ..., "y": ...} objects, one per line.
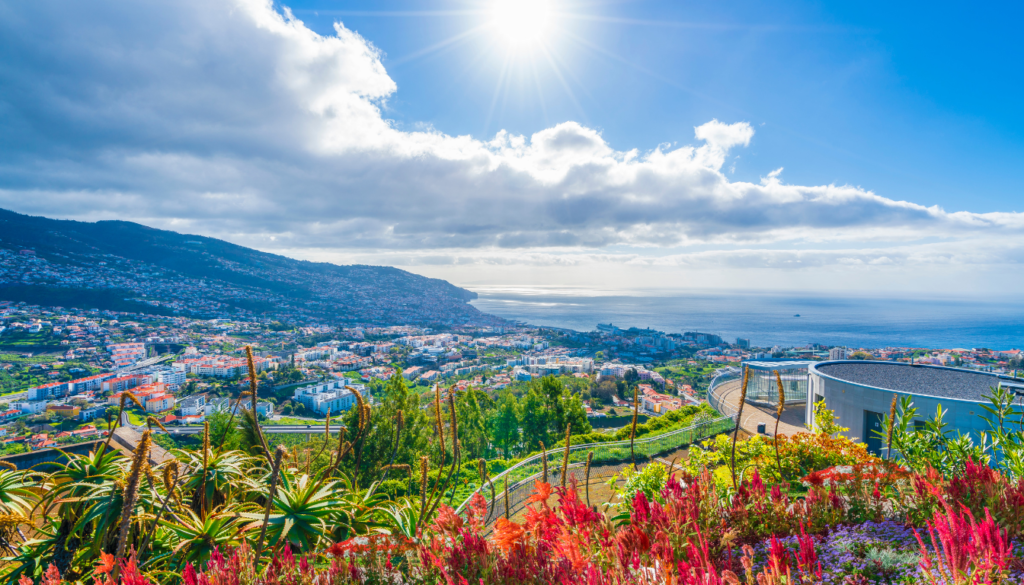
[
  {"x": 521, "y": 476},
  {"x": 521, "y": 492}
]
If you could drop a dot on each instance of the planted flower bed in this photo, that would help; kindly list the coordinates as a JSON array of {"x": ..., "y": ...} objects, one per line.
[{"x": 812, "y": 509}]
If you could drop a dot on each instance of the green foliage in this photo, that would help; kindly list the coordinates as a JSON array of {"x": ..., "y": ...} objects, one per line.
[
  {"x": 222, "y": 430},
  {"x": 377, "y": 445},
  {"x": 393, "y": 488},
  {"x": 931, "y": 443},
  {"x": 534, "y": 420},
  {"x": 473, "y": 406},
  {"x": 505, "y": 423},
  {"x": 825, "y": 420},
  {"x": 650, "y": 480}
]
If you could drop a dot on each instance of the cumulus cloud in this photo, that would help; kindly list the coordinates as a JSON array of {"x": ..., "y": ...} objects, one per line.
[{"x": 233, "y": 119}]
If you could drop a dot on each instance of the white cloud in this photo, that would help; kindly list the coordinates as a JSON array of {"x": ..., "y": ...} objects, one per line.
[{"x": 229, "y": 118}]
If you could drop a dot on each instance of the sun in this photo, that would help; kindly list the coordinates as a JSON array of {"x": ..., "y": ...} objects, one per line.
[{"x": 521, "y": 22}]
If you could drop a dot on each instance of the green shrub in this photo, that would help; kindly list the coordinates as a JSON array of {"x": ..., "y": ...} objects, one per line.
[{"x": 394, "y": 488}]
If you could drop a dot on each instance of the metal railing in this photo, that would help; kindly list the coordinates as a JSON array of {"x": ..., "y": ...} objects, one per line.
[
  {"x": 522, "y": 475},
  {"x": 721, "y": 378}
]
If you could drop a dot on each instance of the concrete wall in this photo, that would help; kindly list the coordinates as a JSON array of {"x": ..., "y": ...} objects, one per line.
[
  {"x": 850, "y": 401},
  {"x": 47, "y": 460}
]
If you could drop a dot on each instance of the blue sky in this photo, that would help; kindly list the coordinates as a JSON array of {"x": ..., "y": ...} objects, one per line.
[
  {"x": 913, "y": 100},
  {"x": 847, "y": 147}
]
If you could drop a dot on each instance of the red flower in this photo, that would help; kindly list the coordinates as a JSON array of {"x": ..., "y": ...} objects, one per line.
[
  {"x": 106, "y": 564},
  {"x": 447, "y": 520},
  {"x": 542, "y": 493},
  {"x": 507, "y": 534},
  {"x": 816, "y": 478}
]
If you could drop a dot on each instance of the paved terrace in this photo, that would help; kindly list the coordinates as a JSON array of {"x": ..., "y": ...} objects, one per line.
[{"x": 792, "y": 417}]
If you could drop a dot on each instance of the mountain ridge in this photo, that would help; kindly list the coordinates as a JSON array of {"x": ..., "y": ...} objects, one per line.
[{"x": 216, "y": 277}]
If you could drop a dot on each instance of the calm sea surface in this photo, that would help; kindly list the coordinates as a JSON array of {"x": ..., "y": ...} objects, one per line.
[{"x": 769, "y": 319}]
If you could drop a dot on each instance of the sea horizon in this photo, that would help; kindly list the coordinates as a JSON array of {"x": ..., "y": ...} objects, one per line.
[{"x": 770, "y": 318}]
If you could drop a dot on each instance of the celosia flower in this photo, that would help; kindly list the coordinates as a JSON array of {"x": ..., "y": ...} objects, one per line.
[
  {"x": 106, "y": 564},
  {"x": 52, "y": 576},
  {"x": 542, "y": 493},
  {"x": 447, "y": 520},
  {"x": 507, "y": 534}
]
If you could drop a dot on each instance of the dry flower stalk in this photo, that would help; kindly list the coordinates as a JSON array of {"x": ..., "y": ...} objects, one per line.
[
  {"x": 586, "y": 481},
  {"x": 778, "y": 417},
  {"x": 544, "y": 460},
  {"x": 140, "y": 459},
  {"x": 892, "y": 422},
  {"x": 739, "y": 419},
  {"x": 565, "y": 456}
]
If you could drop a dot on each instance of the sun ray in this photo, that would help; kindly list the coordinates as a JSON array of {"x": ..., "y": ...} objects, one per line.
[
  {"x": 565, "y": 85},
  {"x": 497, "y": 91},
  {"x": 653, "y": 74},
  {"x": 714, "y": 26},
  {"x": 540, "y": 93},
  {"x": 391, "y": 13},
  {"x": 450, "y": 42}
]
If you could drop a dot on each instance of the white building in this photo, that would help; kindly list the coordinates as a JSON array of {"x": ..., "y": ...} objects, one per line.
[
  {"x": 173, "y": 378},
  {"x": 193, "y": 405},
  {"x": 30, "y": 407},
  {"x": 328, "y": 396},
  {"x": 838, "y": 353},
  {"x": 126, "y": 354}
]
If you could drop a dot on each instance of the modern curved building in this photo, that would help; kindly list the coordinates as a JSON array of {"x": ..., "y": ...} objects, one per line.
[{"x": 860, "y": 393}]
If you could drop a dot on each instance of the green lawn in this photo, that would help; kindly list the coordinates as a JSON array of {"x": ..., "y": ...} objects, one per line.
[
  {"x": 286, "y": 420},
  {"x": 136, "y": 418}
]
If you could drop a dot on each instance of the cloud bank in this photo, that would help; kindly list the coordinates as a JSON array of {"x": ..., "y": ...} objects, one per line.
[{"x": 233, "y": 119}]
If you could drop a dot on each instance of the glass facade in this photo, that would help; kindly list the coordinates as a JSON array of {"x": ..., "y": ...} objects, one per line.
[{"x": 763, "y": 386}]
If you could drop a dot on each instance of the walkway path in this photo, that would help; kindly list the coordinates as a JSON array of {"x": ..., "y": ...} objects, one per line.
[{"x": 792, "y": 417}]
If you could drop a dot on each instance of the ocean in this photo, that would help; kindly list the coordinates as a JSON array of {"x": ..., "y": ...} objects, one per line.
[{"x": 769, "y": 319}]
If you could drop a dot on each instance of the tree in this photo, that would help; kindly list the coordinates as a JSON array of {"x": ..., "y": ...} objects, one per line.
[
  {"x": 15, "y": 448},
  {"x": 219, "y": 429},
  {"x": 825, "y": 420},
  {"x": 472, "y": 413},
  {"x": 505, "y": 423},
  {"x": 605, "y": 391},
  {"x": 620, "y": 389},
  {"x": 631, "y": 376},
  {"x": 552, "y": 390},
  {"x": 573, "y": 414},
  {"x": 378, "y": 442},
  {"x": 534, "y": 419}
]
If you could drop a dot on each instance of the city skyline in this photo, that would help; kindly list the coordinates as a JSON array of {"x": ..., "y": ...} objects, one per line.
[{"x": 379, "y": 134}]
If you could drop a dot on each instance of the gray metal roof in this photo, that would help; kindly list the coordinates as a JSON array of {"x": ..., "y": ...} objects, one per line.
[
  {"x": 914, "y": 379},
  {"x": 778, "y": 365}
]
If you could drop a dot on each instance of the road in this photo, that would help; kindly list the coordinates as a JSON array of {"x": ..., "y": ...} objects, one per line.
[{"x": 311, "y": 429}]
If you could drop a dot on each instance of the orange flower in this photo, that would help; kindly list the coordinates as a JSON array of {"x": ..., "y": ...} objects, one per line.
[
  {"x": 507, "y": 534},
  {"x": 106, "y": 564},
  {"x": 447, "y": 520},
  {"x": 542, "y": 494}
]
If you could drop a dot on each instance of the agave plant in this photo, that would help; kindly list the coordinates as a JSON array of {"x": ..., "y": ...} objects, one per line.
[
  {"x": 192, "y": 539},
  {"x": 81, "y": 505},
  {"x": 217, "y": 480},
  {"x": 16, "y": 492},
  {"x": 302, "y": 513},
  {"x": 81, "y": 518}
]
